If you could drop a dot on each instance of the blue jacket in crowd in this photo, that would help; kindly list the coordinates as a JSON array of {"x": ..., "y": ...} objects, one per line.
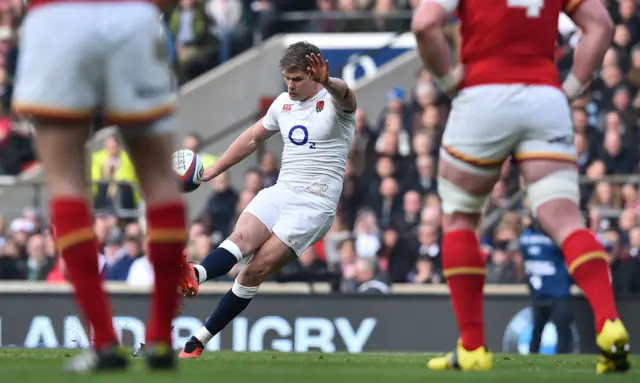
[{"x": 547, "y": 273}]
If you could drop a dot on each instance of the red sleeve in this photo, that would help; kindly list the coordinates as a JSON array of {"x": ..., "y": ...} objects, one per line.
[{"x": 569, "y": 6}]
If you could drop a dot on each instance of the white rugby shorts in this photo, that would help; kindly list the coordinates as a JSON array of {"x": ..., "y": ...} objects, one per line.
[
  {"x": 76, "y": 57},
  {"x": 489, "y": 123},
  {"x": 298, "y": 218}
]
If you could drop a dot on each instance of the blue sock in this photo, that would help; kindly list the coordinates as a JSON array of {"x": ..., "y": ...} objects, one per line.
[
  {"x": 219, "y": 262},
  {"x": 230, "y": 306}
]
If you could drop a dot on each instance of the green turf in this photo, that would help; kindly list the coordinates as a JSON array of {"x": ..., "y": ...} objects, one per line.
[{"x": 23, "y": 366}]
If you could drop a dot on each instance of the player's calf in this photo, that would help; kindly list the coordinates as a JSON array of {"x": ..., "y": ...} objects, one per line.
[
  {"x": 151, "y": 147},
  {"x": 61, "y": 150},
  {"x": 554, "y": 199},
  {"x": 554, "y": 196},
  {"x": 462, "y": 261},
  {"x": 231, "y": 305},
  {"x": 220, "y": 261}
]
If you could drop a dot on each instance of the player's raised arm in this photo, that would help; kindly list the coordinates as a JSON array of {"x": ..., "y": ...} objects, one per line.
[
  {"x": 428, "y": 27},
  {"x": 343, "y": 97},
  {"x": 240, "y": 149},
  {"x": 597, "y": 31}
]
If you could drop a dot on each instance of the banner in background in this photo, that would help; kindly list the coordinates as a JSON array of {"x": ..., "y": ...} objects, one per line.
[
  {"x": 353, "y": 56},
  {"x": 300, "y": 323}
]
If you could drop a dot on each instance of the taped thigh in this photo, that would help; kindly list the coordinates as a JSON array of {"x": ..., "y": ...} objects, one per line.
[
  {"x": 562, "y": 184},
  {"x": 455, "y": 199}
]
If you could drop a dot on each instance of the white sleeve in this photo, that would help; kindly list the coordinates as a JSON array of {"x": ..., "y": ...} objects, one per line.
[
  {"x": 270, "y": 121},
  {"x": 448, "y": 5}
]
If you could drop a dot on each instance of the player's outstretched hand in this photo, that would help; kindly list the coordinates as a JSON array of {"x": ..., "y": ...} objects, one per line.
[{"x": 318, "y": 69}]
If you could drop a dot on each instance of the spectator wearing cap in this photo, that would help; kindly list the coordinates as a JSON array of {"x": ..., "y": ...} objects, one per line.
[
  {"x": 395, "y": 104},
  {"x": 124, "y": 258}
]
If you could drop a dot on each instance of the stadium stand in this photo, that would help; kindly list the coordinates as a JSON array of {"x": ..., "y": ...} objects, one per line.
[{"x": 387, "y": 229}]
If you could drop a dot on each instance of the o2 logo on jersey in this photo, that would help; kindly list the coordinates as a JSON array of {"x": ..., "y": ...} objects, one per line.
[{"x": 299, "y": 136}]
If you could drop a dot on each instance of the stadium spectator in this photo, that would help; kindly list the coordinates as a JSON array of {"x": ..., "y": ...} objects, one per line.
[
  {"x": 193, "y": 142},
  {"x": 221, "y": 208},
  {"x": 324, "y": 23},
  {"x": 112, "y": 176},
  {"x": 269, "y": 168},
  {"x": 197, "y": 48},
  {"x": 227, "y": 24},
  {"x": 141, "y": 271},
  {"x": 307, "y": 268},
  {"x": 365, "y": 278}
]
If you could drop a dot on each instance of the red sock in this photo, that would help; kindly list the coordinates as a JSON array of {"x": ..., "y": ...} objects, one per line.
[
  {"x": 587, "y": 262},
  {"x": 167, "y": 235},
  {"x": 464, "y": 267},
  {"x": 77, "y": 245}
]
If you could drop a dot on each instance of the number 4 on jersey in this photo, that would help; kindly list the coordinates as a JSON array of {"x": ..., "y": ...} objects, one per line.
[{"x": 533, "y": 7}]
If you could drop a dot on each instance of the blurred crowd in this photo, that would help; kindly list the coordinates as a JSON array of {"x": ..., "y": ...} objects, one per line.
[
  {"x": 208, "y": 32},
  {"x": 387, "y": 229}
]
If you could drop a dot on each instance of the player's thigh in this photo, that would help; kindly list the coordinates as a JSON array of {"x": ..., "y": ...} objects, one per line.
[
  {"x": 272, "y": 256},
  {"x": 256, "y": 222},
  {"x": 304, "y": 220},
  {"x": 151, "y": 156},
  {"x": 61, "y": 150},
  {"x": 60, "y": 66},
  {"x": 139, "y": 80},
  {"x": 546, "y": 158},
  {"x": 548, "y": 134},
  {"x": 482, "y": 129}
]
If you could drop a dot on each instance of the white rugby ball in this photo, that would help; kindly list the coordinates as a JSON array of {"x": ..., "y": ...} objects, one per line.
[{"x": 189, "y": 169}]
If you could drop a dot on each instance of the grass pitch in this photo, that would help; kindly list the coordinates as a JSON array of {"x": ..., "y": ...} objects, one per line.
[{"x": 26, "y": 366}]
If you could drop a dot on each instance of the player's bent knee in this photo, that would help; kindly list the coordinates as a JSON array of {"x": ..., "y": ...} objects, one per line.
[
  {"x": 231, "y": 247},
  {"x": 254, "y": 273},
  {"x": 245, "y": 292},
  {"x": 238, "y": 243},
  {"x": 455, "y": 199},
  {"x": 562, "y": 184}
]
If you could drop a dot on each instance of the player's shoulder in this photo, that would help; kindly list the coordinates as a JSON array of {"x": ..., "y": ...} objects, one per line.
[
  {"x": 281, "y": 99},
  {"x": 327, "y": 100},
  {"x": 280, "y": 103}
]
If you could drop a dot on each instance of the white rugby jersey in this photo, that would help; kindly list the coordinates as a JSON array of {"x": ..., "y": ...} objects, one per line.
[{"x": 317, "y": 138}]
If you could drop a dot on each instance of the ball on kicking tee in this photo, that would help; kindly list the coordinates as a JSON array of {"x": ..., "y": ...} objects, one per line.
[{"x": 188, "y": 166}]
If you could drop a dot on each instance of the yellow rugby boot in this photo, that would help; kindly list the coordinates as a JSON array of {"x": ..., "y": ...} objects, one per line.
[
  {"x": 479, "y": 359},
  {"x": 613, "y": 342}
]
